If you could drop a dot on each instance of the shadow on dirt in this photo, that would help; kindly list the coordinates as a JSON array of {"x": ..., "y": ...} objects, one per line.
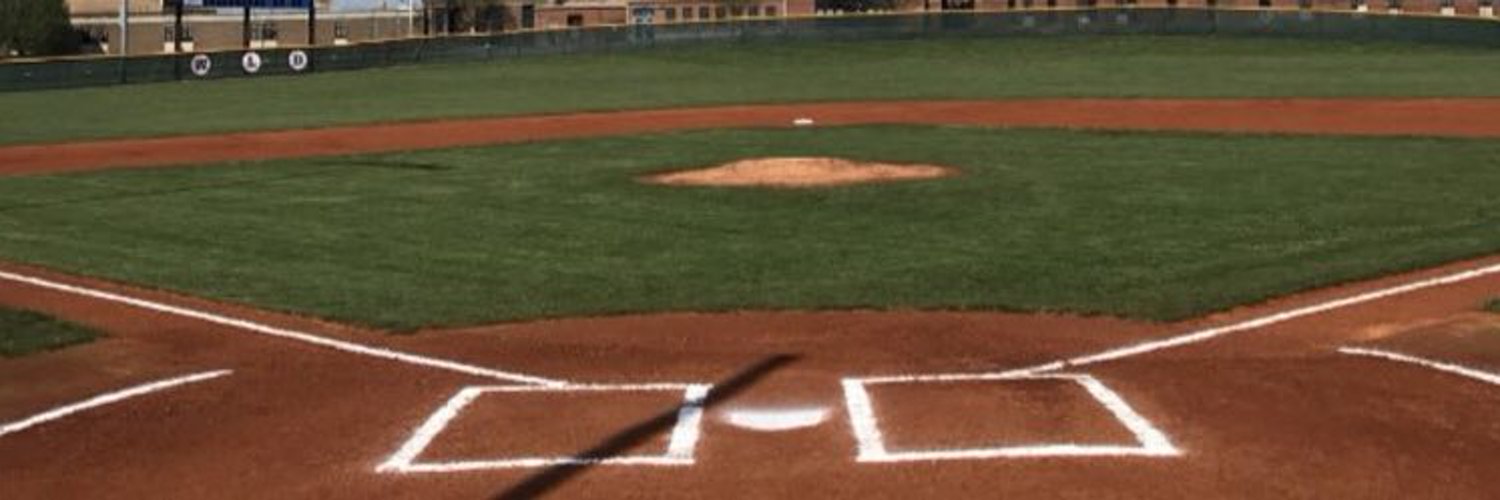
[{"x": 551, "y": 478}]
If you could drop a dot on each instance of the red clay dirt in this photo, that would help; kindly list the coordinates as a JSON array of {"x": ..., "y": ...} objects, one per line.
[
  {"x": 1273, "y": 412},
  {"x": 1468, "y": 117}
]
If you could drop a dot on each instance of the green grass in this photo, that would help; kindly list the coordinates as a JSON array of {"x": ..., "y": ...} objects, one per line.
[
  {"x": 1122, "y": 66},
  {"x": 26, "y": 332},
  {"x": 1154, "y": 226}
]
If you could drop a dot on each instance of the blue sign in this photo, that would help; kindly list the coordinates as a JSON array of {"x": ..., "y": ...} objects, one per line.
[{"x": 259, "y": 4}]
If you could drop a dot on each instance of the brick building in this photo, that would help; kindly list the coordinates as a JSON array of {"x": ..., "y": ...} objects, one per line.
[{"x": 152, "y": 25}]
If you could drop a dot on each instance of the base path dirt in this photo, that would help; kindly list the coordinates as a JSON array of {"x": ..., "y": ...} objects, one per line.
[{"x": 1419, "y": 117}]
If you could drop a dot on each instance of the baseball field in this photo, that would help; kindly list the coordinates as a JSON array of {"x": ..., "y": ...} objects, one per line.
[{"x": 1122, "y": 266}]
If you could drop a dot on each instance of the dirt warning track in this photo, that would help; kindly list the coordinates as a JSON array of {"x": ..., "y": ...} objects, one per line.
[{"x": 1416, "y": 117}]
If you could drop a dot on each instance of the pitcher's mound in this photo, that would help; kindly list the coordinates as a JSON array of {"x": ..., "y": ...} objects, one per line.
[{"x": 799, "y": 173}]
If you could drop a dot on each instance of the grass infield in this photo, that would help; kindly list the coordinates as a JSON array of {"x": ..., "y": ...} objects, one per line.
[
  {"x": 1120, "y": 66},
  {"x": 1154, "y": 226},
  {"x": 26, "y": 332}
]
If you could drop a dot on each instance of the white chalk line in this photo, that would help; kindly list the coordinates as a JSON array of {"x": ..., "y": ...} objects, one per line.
[
  {"x": 870, "y": 441},
  {"x": 107, "y": 399},
  {"x": 1460, "y": 370},
  {"x": 680, "y": 448},
  {"x": 1201, "y": 335},
  {"x": 683, "y": 441},
  {"x": 307, "y": 338}
]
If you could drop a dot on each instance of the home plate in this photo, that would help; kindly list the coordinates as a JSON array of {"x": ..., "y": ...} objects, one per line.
[
  {"x": 803, "y": 122},
  {"x": 774, "y": 419}
]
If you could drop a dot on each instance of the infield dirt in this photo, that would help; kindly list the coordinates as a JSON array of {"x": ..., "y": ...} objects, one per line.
[
  {"x": 799, "y": 173},
  {"x": 1270, "y": 412}
]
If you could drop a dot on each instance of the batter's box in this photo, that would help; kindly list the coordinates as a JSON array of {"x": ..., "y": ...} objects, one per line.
[
  {"x": 874, "y": 446},
  {"x": 680, "y": 445}
]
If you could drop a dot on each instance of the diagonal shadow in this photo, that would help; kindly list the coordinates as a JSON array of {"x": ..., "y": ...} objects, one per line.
[{"x": 547, "y": 480}]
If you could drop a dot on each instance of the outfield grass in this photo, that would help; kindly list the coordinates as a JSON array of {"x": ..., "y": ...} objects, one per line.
[
  {"x": 1154, "y": 226},
  {"x": 1122, "y": 66},
  {"x": 26, "y": 332}
]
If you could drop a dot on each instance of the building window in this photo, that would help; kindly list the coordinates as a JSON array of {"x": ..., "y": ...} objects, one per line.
[
  {"x": 575, "y": 20},
  {"x": 1265, "y": 4},
  {"x": 770, "y": 11},
  {"x": 341, "y": 30},
  {"x": 702, "y": 12},
  {"x": 687, "y": 13},
  {"x": 754, "y": 11},
  {"x": 669, "y": 14}
]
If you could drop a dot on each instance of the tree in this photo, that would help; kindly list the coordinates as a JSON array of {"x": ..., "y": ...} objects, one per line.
[{"x": 36, "y": 28}]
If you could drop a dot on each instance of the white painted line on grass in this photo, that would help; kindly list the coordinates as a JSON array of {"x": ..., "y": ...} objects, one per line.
[
  {"x": 337, "y": 345},
  {"x": 1205, "y": 334},
  {"x": 680, "y": 448},
  {"x": 1463, "y": 371},
  {"x": 109, "y": 398},
  {"x": 1150, "y": 441},
  {"x": 775, "y": 419}
]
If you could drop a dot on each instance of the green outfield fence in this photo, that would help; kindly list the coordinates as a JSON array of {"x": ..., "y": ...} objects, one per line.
[{"x": 35, "y": 75}]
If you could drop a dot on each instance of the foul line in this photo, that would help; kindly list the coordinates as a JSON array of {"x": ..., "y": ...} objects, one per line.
[
  {"x": 337, "y": 345},
  {"x": 1202, "y": 335},
  {"x": 106, "y": 399},
  {"x": 1482, "y": 376}
]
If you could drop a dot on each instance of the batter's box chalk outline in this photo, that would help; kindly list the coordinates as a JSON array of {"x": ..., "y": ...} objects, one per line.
[
  {"x": 680, "y": 448},
  {"x": 1150, "y": 442}
]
